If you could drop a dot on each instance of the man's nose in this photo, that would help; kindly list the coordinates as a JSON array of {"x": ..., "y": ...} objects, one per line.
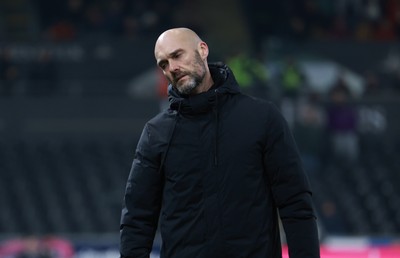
[{"x": 173, "y": 66}]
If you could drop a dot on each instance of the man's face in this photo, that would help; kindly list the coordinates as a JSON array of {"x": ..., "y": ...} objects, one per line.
[
  {"x": 184, "y": 70},
  {"x": 185, "y": 80},
  {"x": 182, "y": 65}
]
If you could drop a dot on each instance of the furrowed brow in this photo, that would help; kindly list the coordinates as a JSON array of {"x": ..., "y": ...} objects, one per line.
[
  {"x": 170, "y": 55},
  {"x": 176, "y": 52}
]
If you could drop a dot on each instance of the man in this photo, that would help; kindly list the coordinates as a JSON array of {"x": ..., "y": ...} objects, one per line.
[{"x": 217, "y": 165}]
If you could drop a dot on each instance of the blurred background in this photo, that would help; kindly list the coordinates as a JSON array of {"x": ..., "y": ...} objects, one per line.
[{"x": 78, "y": 81}]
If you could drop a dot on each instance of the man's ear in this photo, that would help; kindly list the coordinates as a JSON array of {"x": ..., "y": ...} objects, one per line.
[{"x": 203, "y": 50}]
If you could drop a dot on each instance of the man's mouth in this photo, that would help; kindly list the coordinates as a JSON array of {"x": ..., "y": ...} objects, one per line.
[{"x": 177, "y": 79}]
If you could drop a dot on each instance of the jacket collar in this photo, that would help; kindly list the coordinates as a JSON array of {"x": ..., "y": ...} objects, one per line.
[{"x": 224, "y": 83}]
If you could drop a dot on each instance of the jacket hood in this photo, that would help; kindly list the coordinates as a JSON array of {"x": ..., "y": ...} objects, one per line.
[{"x": 224, "y": 83}]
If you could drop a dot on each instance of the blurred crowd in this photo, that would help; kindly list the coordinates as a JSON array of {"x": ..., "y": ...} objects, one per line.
[
  {"x": 325, "y": 19},
  {"x": 328, "y": 122},
  {"x": 72, "y": 19},
  {"x": 69, "y": 20},
  {"x": 298, "y": 19}
]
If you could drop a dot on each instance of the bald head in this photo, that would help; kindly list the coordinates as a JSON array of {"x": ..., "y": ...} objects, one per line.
[{"x": 177, "y": 38}]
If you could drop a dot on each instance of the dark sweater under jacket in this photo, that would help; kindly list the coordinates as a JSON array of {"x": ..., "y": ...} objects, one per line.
[{"x": 218, "y": 169}]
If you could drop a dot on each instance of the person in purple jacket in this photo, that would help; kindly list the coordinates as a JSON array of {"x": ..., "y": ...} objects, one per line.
[{"x": 342, "y": 123}]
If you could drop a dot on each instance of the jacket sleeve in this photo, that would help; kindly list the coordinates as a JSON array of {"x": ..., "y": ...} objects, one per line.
[
  {"x": 290, "y": 188},
  {"x": 142, "y": 201}
]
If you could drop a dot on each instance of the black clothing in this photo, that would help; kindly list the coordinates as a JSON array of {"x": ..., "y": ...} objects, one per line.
[{"x": 218, "y": 165}]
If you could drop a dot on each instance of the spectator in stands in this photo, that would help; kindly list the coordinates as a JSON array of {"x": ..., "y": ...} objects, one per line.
[
  {"x": 342, "y": 124},
  {"x": 250, "y": 73},
  {"x": 292, "y": 78},
  {"x": 309, "y": 132},
  {"x": 217, "y": 165},
  {"x": 292, "y": 82}
]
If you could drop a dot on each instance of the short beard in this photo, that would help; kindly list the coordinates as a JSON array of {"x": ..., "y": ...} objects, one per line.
[
  {"x": 196, "y": 77},
  {"x": 193, "y": 82}
]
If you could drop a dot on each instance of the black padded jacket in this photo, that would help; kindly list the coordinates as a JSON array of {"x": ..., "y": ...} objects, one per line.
[{"x": 218, "y": 169}]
